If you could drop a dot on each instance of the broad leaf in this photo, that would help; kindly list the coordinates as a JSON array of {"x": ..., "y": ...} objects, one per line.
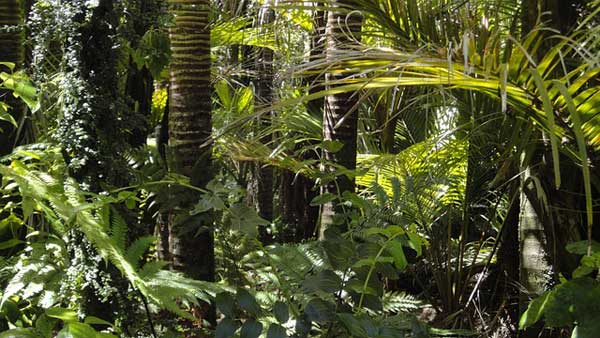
[
  {"x": 251, "y": 329},
  {"x": 248, "y": 302},
  {"x": 281, "y": 312},
  {"x": 226, "y": 328}
]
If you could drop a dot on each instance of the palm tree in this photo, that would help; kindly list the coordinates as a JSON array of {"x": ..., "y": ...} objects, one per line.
[
  {"x": 190, "y": 132},
  {"x": 11, "y": 40},
  {"x": 340, "y": 115},
  {"x": 264, "y": 96},
  {"x": 488, "y": 72}
]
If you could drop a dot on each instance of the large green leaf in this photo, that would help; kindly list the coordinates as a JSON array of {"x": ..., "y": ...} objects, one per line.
[
  {"x": 226, "y": 328},
  {"x": 19, "y": 333},
  {"x": 248, "y": 303},
  {"x": 251, "y": 329}
]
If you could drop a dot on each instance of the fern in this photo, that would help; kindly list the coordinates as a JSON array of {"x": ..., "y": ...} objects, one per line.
[
  {"x": 71, "y": 206},
  {"x": 137, "y": 249},
  {"x": 396, "y": 301},
  {"x": 118, "y": 229}
]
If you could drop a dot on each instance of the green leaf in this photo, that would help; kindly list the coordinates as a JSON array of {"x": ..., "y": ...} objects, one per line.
[
  {"x": 415, "y": 242},
  {"x": 225, "y": 303},
  {"x": 19, "y": 333},
  {"x": 251, "y": 329},
  {"x": 6, "y": 116},
  {"x": 66, "y": 315},
  {"x": 353, "y": 326},
  {"x": 581, "y": 144},
  {"x": 9, "y": 65},
  {"x": 45, "y": 325},
  {"x": 587, "y": 329},
  {"x": 323, "y": 199},
  {"x": 276, "y": 331},
  {"x": 281, "y": 312},
  {"x": 91, "y": 320},
  {"x": 581, "y": 247},
  {"x": 136, "y": 250},
  {"x": 534, "y": 311},
  {"x": 77, "y": 330},
  {"x": 319, "y": 310},
  {"x": 397, "y": 252},
  {"x": 332, "y": 146},
  {"x": 22, "y": 88},
  {"x": 10, "y": 243},
  {"x": 11, "y": 309},
  {"x": 549, "y": 111},
  {"x": 248, "y": 302},
  {"x": 226, "y": 328},
  {"x": 325, "y": 281},
  {"x": 341, "y": 253}
]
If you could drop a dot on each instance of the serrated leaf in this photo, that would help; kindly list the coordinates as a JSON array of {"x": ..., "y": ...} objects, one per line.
[
  {"x": 226, "y": 328},
  {"x": 319, "y": 310},
  {"x": 352, "y": 325},
  {"x": 225, "y": 304},
  {"x": 281, "y": 312},
  {"x": 251, "y": 329},
  {"x": 326, "y": 281},
  {"x": 276, "y": 331},
  {"x": 137, "y": 249},
  {"x": 341, "y": 253},
  {"x": 248, "y": 302}
]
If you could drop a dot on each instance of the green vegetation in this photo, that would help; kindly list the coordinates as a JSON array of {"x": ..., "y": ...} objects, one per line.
[{"x": 334, "y": 168}]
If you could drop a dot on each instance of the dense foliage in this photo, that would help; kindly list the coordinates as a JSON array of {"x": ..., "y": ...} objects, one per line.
[{"x": 340, "y": 168}]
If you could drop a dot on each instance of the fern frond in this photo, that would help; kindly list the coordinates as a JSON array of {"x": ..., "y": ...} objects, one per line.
[
  {"x": 151, "y": 268},
  {"x": 137, "y": 249},
  {"x": 118, "y": 229},
  {"x": 397, "y": 301}
]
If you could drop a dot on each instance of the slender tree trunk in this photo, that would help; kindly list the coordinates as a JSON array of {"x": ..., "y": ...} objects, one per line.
[
  {"x": 191, "y": 238},
  {"x": 535, "y": 269},
  {"x": 11, "y": 50},
  {"x": 340, "y": 117},
  {"x": 264, "y": 96},
  {"x": 297, "y": 190}
]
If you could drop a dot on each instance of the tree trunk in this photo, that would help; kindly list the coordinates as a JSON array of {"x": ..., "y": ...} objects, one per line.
[
  {"x": 264, "y": 96},
  {"x": 297, "y": 191},
  {"x": 11, "y": 50},
  {"x": 340, "y": 116},
  {"x": 190, "y": 132},
  {"x": 535, "y": 269},
  {"x": 191, "y": 238}
]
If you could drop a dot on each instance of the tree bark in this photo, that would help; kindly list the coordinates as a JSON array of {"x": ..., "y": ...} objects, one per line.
[
  {"x": 340, "y": 116},
  {"x": 264, "y": 96},
  {"x": 297, "y": 191},
  {"x": 191, "y": 238}
]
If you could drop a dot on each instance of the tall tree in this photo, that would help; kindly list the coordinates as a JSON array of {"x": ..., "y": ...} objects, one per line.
[
  {"x": 190, "y": 126},
  {"x": 11, "y": 50},
  {"x": 340, "y": 115},
  {"x": 298, "y": 190},
  {"x": 264, "y": 96}
]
